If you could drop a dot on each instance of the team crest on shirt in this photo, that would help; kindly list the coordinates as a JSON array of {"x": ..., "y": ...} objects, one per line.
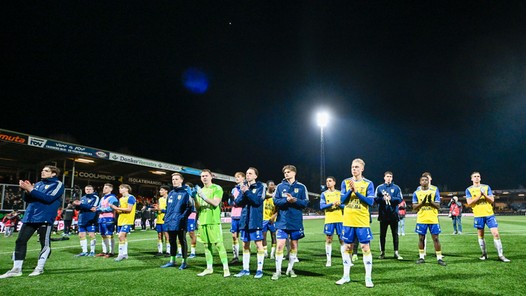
[
  {"x": 392, "y": 190},
  {"x": 254, "y": 190},
  {"x": 296, "y": 190},
  {"x": 179, "y": 197},
  {"x": 46, "y": 186}
]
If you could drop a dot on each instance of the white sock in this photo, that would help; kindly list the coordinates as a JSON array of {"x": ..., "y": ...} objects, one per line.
[
  {"x": 104, "y": 245},
  {"x": 41, "y": 262},
  {"x": 343, "y": 248},
  {"x": 112, "y": 245},
  {"x": 235, "y": 248},
  {"x": 84, "y": 245},
  {"x": 368, "y": 263},
  {"x": 125, "y": 249},
  {"x": 498, "y": 246},
  {"x": 17, "y": 264},
  {"x": 93, "y": 245},
  {"x": 328, "y": 251},
  {"x": 121, "y": 249},
  {"x": 272, "y": 251},
  {"x": 292, "y": 258},
  {"x": 246, "y": 259},
  {"x": 279, "y": 261},
  {"x": 159, "y": 246},
  {"x": 192, "y": 250},
  {"x": 261, "y": 259},
  {"x": 347, "y": 263},
  {"x": 167, "y": 248},
  {"x": 482, "y": 245}
]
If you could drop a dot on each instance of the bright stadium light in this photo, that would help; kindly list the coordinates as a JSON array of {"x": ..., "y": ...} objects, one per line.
[{"x": 322, "y": 118}]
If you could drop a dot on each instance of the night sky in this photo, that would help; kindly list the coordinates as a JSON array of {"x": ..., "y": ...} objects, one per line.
[{"x": 230, "y": 84}]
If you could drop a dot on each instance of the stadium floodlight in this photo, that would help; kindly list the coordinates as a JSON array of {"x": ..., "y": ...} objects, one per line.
[{"x": 322, "y": 118}]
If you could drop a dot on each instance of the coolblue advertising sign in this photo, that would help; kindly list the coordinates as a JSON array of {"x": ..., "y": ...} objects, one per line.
[{"x": 67, "y": 147}]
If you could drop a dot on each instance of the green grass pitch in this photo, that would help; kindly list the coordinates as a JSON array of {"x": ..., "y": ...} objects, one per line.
[{"x": 465, "y": 274}]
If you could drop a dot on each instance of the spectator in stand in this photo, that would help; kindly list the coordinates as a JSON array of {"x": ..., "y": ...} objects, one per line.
[
  {"x": 10, "y": 221},
  {"x": 402, "y": 207},
  {"x": 57, "y": 220},
  {"x": 455, "y": 212},
  {"x": 67, "y": 216},
  {"x": 145, "y": 215},
  {"x": 153, "y": 216}
]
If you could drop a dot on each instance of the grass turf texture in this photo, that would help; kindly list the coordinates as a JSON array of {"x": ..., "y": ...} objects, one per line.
[{"x": 465, "y": 274}]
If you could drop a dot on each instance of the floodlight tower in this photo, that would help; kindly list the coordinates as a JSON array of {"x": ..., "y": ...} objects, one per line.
[{"x": 322, "y": 119}]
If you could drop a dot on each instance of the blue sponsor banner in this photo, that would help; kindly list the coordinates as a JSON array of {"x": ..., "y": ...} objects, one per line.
[{"x": 67, "y": 147}]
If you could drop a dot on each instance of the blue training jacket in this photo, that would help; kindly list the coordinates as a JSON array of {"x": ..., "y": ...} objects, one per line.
[
  {"x": 86, "y": 216},
  {"x": 43, "y": 201},
  {"x": 388, "y": 212},
  {"x": 178, "y": 207},
  {"x": 290, "y": 215},
  {"x": 252, "y": 203}
]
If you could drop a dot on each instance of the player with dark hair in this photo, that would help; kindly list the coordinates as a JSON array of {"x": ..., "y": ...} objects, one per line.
[
  {"x": 426, "y": 201},
  {"x": 290, "y": 199},
  {"x": 43, "y": 200},
  {"x": 269, "y": 217},
  {"x": 480, "y": 197},
  {"x": 235, "y": 216},
  {"x": 330, "y": 202},
  {"x": 160, "y": 207},
  {"x": 107, "y": 221},
  {"x": 388, "y": 196}
]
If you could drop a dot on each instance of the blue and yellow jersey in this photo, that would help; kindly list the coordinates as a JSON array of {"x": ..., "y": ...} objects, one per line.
[
  {"x": 160, "y": 214},
  {"x": 269, "y": 209},
  {"x": 127, "y": 218},
  {"x": 333, "y": 214},
  {"x": 482, "y": 207},
  {"x": 356, "y": 212},
  {"x": 426, "y": 214}
]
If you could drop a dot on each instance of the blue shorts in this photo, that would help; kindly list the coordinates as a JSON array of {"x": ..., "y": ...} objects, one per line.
[
  {"x": 87, "y": 228},
  {"x": 331, "y": 227},
  {"x": 422, "y": 228},
  {"x": 125, "y": 228},
  {"x": 268, "y": 226},
  {"x": 294, "y": 234},
  {"x": 479, "y": 222},
  {"x": 191, "y": 225},
  {"x": 106, "y": 226},
  {"x": 363, "y": 234},
  {"x": 160, "y": 228},
  {"x": 251, "y": 235},
  {"x": 235, "y": 226}
]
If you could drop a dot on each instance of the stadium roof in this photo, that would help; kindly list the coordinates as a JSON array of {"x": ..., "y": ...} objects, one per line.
[{"x": 28, "y": 153}]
